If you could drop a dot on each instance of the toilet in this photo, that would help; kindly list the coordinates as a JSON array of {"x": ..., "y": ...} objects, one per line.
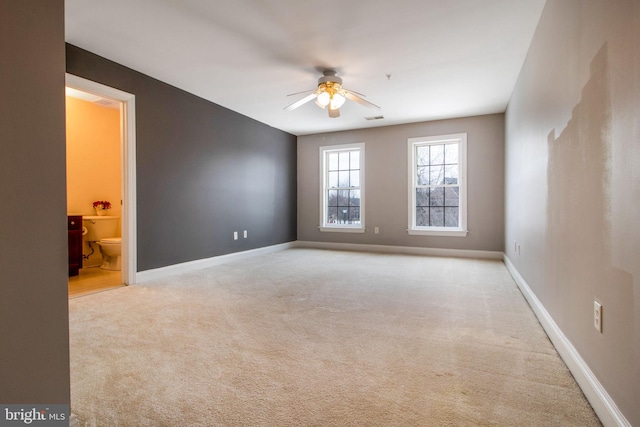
[
  {"x": 111, "y": 249},
  {"x": 103, "y": 232}
]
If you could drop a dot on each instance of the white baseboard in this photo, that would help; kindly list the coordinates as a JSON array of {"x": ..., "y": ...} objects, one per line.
[
  {"x": 188, "y": 267},
  {"x": 602, "y": 403},
  {"x": 408, "y": 250}
]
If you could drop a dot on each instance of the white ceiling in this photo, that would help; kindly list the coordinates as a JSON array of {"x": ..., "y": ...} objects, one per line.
[{"x": 446, "y": 58}]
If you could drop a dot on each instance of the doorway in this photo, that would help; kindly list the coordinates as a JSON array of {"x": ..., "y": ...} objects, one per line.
[{"x": 125, "y": 104}]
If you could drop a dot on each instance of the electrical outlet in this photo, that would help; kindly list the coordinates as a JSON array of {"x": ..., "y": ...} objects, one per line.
[
  {"x": 235, "y": 235},
  {"x": 597, "y": 316},
  {"x": 245, "y": 234},
  {"x": 518, "y": 249},
  {"x": 376, "y": 230}
]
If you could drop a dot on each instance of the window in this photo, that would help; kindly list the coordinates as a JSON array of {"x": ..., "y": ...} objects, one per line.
[
  {"x": 437, "y": 185},
  {"x": 342, "y": 188}
]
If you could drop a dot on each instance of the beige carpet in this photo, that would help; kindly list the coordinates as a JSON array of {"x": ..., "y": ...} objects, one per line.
[{"x": 320, "y": 338}]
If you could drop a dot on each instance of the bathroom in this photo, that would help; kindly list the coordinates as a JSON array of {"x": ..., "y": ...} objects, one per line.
[{"x": 94, "y": 174}]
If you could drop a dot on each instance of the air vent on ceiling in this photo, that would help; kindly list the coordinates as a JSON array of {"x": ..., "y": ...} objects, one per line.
[{"x": 374, "y": 118}]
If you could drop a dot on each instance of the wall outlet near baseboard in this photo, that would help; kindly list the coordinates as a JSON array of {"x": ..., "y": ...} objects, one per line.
[
  {"x": 376, "y": 230},
  {"x": 244, "y": 234},
  {"x": 597, "y": 316},
  {"x": 235, "y": 235}
]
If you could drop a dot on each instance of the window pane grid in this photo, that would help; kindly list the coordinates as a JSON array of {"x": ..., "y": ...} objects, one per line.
[
  {"x": 436, "y": 185},
  {"x": 343, "y": 189}
]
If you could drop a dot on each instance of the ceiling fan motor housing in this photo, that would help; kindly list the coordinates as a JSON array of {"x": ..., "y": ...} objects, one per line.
[{"x": 329, "y": 76}]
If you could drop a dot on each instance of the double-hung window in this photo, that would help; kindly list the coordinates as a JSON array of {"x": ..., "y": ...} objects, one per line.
[
  {"x": 438, "y": 185},
  {"x": 342, "y": 188}
]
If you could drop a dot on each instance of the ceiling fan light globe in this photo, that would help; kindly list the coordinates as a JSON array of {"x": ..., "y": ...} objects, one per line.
[
  {"x": 337, "y": 101},
  {"x": 323, "y": 98}
]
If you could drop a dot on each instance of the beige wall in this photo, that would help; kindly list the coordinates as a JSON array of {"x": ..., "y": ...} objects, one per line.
[
  {"x": 34, "y": 319},
  {"x": 93, "y": 156},
  {"x": 573, "y": 182},
  {"x": 386, "y": 183}
]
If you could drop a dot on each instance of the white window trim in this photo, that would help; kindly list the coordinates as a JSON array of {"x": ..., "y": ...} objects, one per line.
[
  {"x": 340, "y": 228},
  {"x": 461, "y": 230}
]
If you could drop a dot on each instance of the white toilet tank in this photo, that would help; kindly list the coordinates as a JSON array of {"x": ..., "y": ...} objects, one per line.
[{"x": 100, "y": 227}]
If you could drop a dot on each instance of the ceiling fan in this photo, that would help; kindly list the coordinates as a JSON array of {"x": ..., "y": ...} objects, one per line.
[{"x": 330, "y": 94}]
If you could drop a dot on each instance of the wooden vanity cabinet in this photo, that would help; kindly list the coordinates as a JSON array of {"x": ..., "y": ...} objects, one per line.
[{"x": 74, "y": 227}]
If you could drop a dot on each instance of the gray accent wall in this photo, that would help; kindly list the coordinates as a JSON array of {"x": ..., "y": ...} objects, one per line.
[
  {"x": 386, "y": 184},
  {"x": 34, "y": 317},
  {"x": 203, "y": 171},
  {"x": 573, "y": 183}
]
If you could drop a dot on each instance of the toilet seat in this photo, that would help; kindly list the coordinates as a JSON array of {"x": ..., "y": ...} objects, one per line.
[{"x": 111, "y": 240}]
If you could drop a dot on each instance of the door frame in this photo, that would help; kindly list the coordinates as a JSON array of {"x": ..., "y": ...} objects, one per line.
[{"x": 128, "y": 167}]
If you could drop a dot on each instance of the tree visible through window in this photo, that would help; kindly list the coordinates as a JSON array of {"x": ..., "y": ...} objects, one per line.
[
  {"x": 342, "y": 190},
  {"x": 437, "y": 189},
  {"x": 437, "y": 185}
]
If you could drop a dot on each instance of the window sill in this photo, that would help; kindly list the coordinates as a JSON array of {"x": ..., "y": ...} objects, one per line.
[
  {"x": 438, "y": 232},
  {"x": 342, "y": 229}
]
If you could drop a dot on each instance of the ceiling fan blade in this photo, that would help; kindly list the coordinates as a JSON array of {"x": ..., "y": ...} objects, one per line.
[
  {"x": 300, "y": 102},
  {"x": 304, "y": 91},
  {"x": 357, "y": 93},
  {"x": 334, "y": 113},
  {"x": 356, "y": 98}
]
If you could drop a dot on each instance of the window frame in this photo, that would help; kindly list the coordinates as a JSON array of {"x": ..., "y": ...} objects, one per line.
[
  {"x": 324, "y": 187},
  {"x": 412, "y": 144}
]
